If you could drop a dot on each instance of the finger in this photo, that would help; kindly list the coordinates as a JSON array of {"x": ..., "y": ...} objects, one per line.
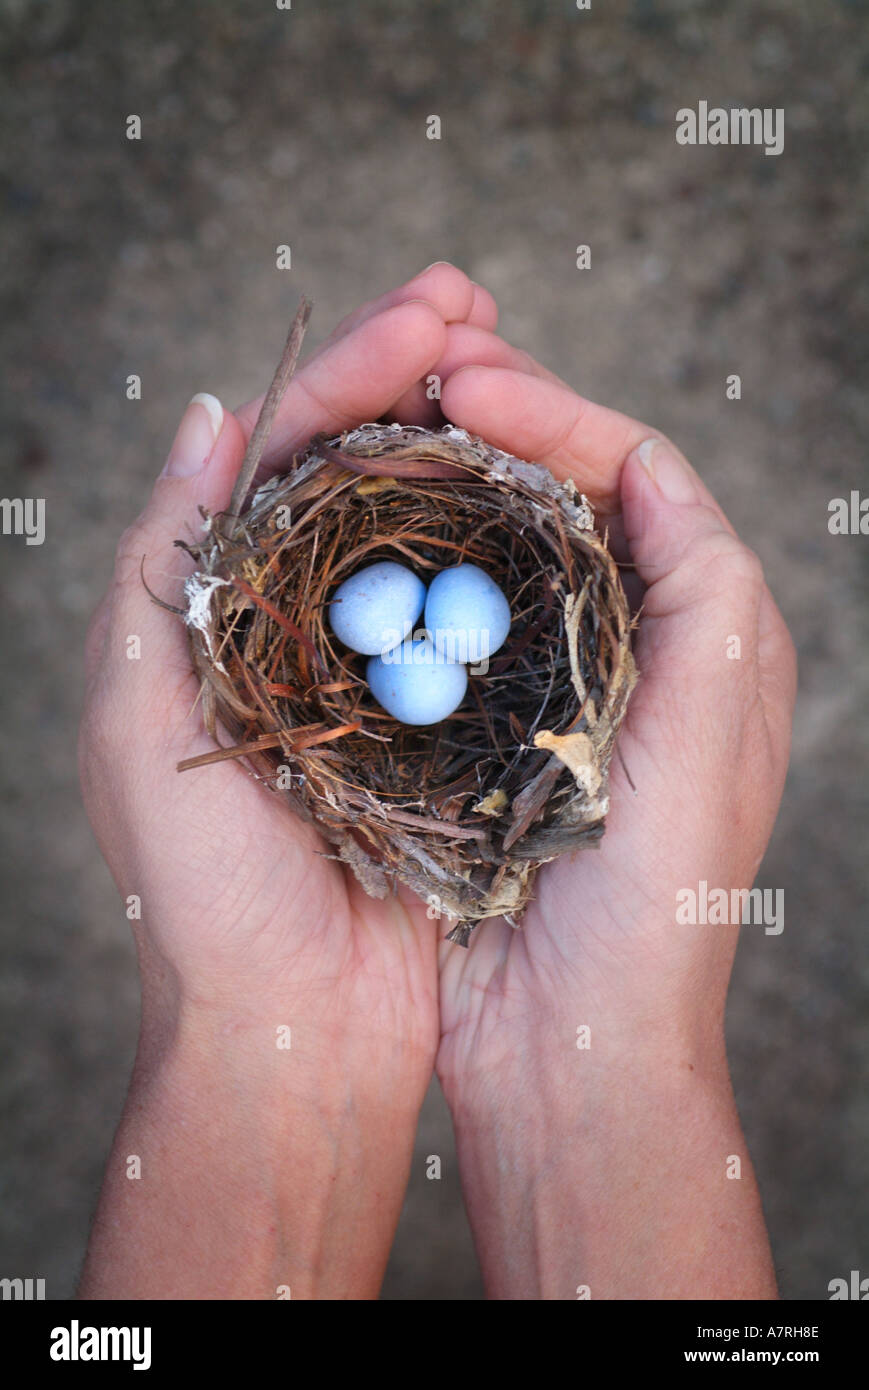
[
  {"x": 466, "y": 345},
  {"x": 200, "y": 470},
  {"x": 449, "y": 290},
  {"x": 706, "y": 633},
  {"x": 666, "y": 515},
  {"x": 443, "y": 286},
  {"x": 484, "y": 310},
  {"x": 546, "y": 422},
  {"x": 357, "y": 379}
]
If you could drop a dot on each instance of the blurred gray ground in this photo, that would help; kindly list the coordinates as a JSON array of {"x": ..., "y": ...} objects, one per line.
[{"x": 307, "y": 127}]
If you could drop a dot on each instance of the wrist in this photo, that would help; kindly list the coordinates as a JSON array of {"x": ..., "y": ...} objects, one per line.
[
  {"x": 273, "y": 1064},
  {"x": 308, "y": 1044},
  {"x": 630, "y": 1181},
  {"x": 582, "y": 1054},
  {"x": 263, "y": 1167}
]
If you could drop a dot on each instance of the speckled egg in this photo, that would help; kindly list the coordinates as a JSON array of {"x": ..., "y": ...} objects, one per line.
[
  {"x": 466, "y": 614},
  {"x": 374, "y": 610},
  {"x": 416, "y": 684}
]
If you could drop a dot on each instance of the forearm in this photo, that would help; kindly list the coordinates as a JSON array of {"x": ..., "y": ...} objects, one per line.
[
  {"x": 264, "y": 1172},
  {"x": 632, "y": 1182}
]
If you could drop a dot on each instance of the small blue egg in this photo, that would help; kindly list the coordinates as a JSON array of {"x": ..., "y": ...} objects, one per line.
[
  {"x": 466, "y": 614},
  {"x": 416, "y": 684},
  {"x": 375, "y": 609}
]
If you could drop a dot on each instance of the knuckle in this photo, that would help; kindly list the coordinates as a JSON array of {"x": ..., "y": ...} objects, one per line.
[
  {"x": 720, "y": 556},
  {"x": 129, "y": 555},
  {"x": 746, "y": 565}
]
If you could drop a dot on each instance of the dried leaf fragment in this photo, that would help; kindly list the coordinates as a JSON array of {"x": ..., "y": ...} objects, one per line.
[
  {"x": 577, "y": 752},
  {"x": 493, "y": 804}
]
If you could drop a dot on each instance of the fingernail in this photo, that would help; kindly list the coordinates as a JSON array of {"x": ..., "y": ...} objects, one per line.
[
  {"x": 431, "y": 267},
  {"x": 197, "y": 435},
  {"x": 668, "y": 471}
]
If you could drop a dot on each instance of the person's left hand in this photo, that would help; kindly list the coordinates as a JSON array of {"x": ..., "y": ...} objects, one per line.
[
  {"x": 246, "y": 925},
  {"x": 237, "y": 896}
]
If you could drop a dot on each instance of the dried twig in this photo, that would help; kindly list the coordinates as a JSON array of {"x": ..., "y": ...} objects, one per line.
[{"x": 269, "y": 408}]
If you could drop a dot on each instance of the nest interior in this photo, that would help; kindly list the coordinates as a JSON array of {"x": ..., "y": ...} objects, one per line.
[{"x": 466, "y": 810}]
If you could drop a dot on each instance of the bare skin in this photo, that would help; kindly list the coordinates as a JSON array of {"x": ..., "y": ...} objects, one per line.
[{"x": 265, "y": 1168}]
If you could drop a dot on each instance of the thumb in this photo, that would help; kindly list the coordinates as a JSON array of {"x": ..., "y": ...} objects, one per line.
[
  {"x": 696, "y": 569},
  {"x": 200, "y": 471},
  {"x": 201, "y": 467},
  {"x": 704, "y": 589}
]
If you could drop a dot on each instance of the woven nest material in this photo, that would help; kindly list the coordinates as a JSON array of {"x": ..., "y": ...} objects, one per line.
[{"x": 463, "y": 812}]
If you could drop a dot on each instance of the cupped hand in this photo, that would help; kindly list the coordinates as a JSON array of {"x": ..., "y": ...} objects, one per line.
[
  {"x": 241, "y": 911},
  {"x": 695, "y": 784}
]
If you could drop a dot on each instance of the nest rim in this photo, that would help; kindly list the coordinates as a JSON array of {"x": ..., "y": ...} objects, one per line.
[{"x": 280, "y": 684}]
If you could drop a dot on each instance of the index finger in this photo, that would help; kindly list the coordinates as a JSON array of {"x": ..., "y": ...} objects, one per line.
[
  {"x": 545, "y": 422},
  {"x": 356, "y": 378},
  {"x": 446, "y": 288},
  {"x": 457, "y": 298}
]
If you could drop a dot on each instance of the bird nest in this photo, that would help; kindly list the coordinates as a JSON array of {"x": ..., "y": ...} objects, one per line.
[{"x": 463, "y": 812}]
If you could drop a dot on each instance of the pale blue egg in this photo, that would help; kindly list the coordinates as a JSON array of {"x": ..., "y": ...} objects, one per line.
[
  {"x": 416, "y": 684},
  {"x": 376, "y": 608},
  {"x": 466, "y": 614}
]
